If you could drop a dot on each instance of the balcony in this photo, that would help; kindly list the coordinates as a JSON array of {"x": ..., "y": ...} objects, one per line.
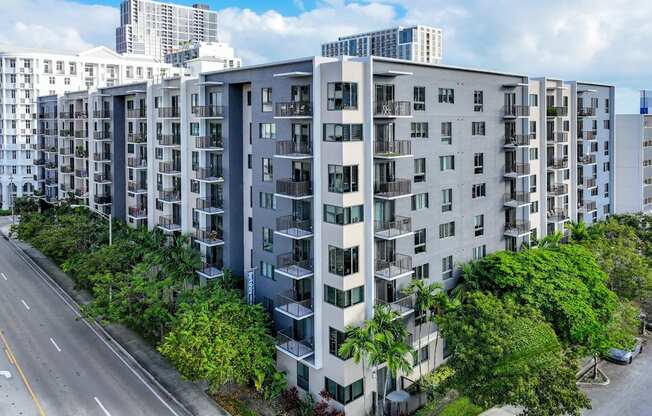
[
  {"x": 587, "y": 183},
  {"x": 390, "y": 230},
  {"x": 65, "y": 115},
  {"x": 209, "y": 206},
  {"x": 557, "y": 215},
  {"x": 210, "y": 238},
  {"x": 168, "y": 224},
  {"x": 517, "y": 228},
  {"x": 66, "y": 151},
  {"x": 81, "y": 134},
  {"x": 401, "y": 304},
  {"x": 102, "y": 199},
  {"x": 81, "y": 173},
  {"x": 392, "y": 149},
  {"x": 558, "y": 189},
  {"x": 169, "y": 139},
  {"x": 514, "y": 111},
  {"x": 81, "y": 153},
  {"x": 102, "y": 135},
  {"x": 81, "y": 192},
  {"x": 137, "y": 187},
  {"x": 557, "y": 111},
  {"x": 65, "y": 133},
  {"x": 169, "y": 168},
  {"x": 137, "y": 163},
  {"x": 293, "y": 109},
  {"x": 137, "y": 138},
  {"x": 586, "y": 207},
  {"x": 287, "y": 342},
  {"x": 102, "y": 178},
  {"x": 39, "y": 162},
  {"x": 51, "y": 165},
  {"x": 292, "y": 227},
  {"x": 51, "y": 181},
  {"x": 392, "y": 109},
  {"x": 51, "y": 149},
  {"x": 587, "y": 159},
  {"x": 81, "y": 114},
  {"x": 211, "y": 271},
  {"x": 210, "y": 174},
  {"x": 66, "y": 169},
  {"x": 102, "y": 157},
  {"x": 290, "y": 266},
  {"x": 168, "y": 112},
  {"x": 137, "y": 213},
  {"x": 49, "y": 132},
  {"x": 102, "y": 114},
  {"x": 297, "y": 307},
  {"x": 391, "y": 190},
  {"x": 517, "y": 199},
  {"x": 289, "y": 188},
  {"x": 516, "y": 140},
  {"x": 587, "y": 135},
  {"x": 517, "y": 169},
  {"x": 208, "y": 111},
  {"x": 557, "y": 164},
  {"x": 137, "y": 113},
  {"x": 586, "y": 111},
  {"x": 400, "y": 266},
  {"x": 170, "y": 196},
  {"x": 209, "y": 143},
  {"x": 292, "y": 150},
  {"x": 557, "y": 137}
]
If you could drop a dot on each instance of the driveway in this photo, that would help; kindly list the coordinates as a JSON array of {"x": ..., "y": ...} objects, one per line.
[{"x": 630, "y": 390}]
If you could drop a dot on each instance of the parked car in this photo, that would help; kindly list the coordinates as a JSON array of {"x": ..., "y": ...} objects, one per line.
[{"x": 625, "y": 356}]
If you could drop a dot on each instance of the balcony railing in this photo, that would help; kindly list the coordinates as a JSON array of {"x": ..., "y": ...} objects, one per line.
[
  {"x": 169, "y": 195},
  {"x": 102, "y": 113},
  {"x": 519, "y": 198},
  {"x": 81, "y": 153},
  {"x": 557, "y": 111},
  {"x": 392, "y": 148},
  {"x": 586, "y": 111},
  {"x": 101, "y": 177},
  {"x": 293, "y": 227},
  {"x": 587, "y": 135},
  {"x": 393, "y": 229},
  {"x": 137, "y": 137},
  {"x": 293, "y": 304},
  {"x": 65, "y": 133},
  {"x": 169, "y": 139},
  {"x": 65, "y": 115},
  {"x": 287, "y": 340},
  {"x": 51, "y": 165},
  {"x": 169, "y": 168},
  {"x": 557, "y": 215},
  {"x": 519, "y": 169},
  {"x": 402, "y": 304},
  {"x": 102, "y": 199},
  {"x": 209, "y": 142},
  {"x": 137, "y": 186},
  {"x": 558, "y": 189},
  {"x": 81, "y": 173},
  {"x": 168, "y": 223},
  {"x": 66, "y": 169},
  {"x": 211, "y": 205},
  {"x": 558, "y": 163},
  {"x": 588, "y": 182},
  {"x": 137, "y": 113},
  {"x": 587, "y": 206},
  {"x": 557, "y": 137},
  {"x": 518, "y": 139},
  {"x": 587, "y": 159},
  {"x": 396, "y": 188},
  {"x": 400, "y": 265},
  {"x": 292, "y": 148},
  {"x": 294, "y": 189},
  {"x": 210, "y": 174},
  {"x": 294, "y": 109},
  {"x": 136, "y": 162},
  {"x": 517, "y": 227},
  {"x": 209, "y": 237},
  {"x": 393, "y": 108},
  {"x": 168, "y": 112},
  {"x": 517, "y": 111},
  {"x": 81, "y": 114},
  {"x": 66, "y": 151},
  {"x": 208, "y": 111},
  {"x": 102, "y": 157},
  {"x": 291, "y": 266},
  {"x": 81, "y": 134},
  {"x": 102, "y": 135},
  {"x": 39, "y": 162},
  {"x": 137, "y": 212},
  {"x": 211, "y": 270}
]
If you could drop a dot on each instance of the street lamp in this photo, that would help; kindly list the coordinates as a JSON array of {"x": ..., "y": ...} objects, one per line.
[{"x": 101, "y": 214}]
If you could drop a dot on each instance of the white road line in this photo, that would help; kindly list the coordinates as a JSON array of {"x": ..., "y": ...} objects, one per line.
[
  {"x": 55, "y": 345},
  {"x": 25, "y": 303},
  {"x": 99, "y": 403},
  {"x": 4, "y": 276}
]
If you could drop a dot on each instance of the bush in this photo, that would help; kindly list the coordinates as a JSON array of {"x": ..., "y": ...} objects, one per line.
[{"x": 461, "y": 407}]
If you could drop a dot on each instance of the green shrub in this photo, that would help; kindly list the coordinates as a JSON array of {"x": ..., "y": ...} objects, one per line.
[{"x": 461, "y": 407}]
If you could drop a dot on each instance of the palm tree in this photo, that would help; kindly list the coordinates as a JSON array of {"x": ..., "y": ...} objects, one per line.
[
  {"x": 357, "y": 345},
  {"x": 423, "y": 297},
  {"x": 578, "y": 231},
  {"x": 440, "y": 305},
  {"x": 551, "y": 240}
]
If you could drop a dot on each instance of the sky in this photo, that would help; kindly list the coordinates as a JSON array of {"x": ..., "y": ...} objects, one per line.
[{"x": 603, "y": 41}]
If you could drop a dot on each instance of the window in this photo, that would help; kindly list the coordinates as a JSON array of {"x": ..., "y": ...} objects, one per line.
[
  {"x": 446, "y": 163},
  {"x": 335, "y": 340},
  {"x": 479, "y": 225},
  {"x": 420, "y": 241},
  {"x": 268, "y": 170},
  {"x": 342, "y": 179},
  {"x": 479, "y": 252},
  {"x": 422, "y": 271},
  {"x": 343, "y": 215},
  {"x": 194, "y": 100},
  {"x": 419, "y": 98},
  {"x": 343, "y": 298},
  {"x": 534, "y": 100},
  {"x": 478, "y": 101},
  {"x": 447, "y": 267},
  {"x": 343, "y": 261},
  {"x": 344, "y": 395},
  {"x": 447, "y": 95},
  {"x": 534, "y": 207},
  {"x": 447, "y": 132},
  {"x": 194, "y": 129},
  {"x": 303, "y": 376},
  {"x": 420, "y": 356},
  {"x": 533, "y": 127},
  {"x": 606, "y": 148},
  {"x": 268, "y": 239},
  {"x": 606, "y": 190},
  {"x": 342, "y": 96},
  {"x": 342, "y": 132},
  {"x": 419, "y": 130},
  {"x": 447, "y": 200},
  {"x": 419, "y": 201},
  {"x": 534, "y": 153},
  {"x": 420, "y": 170},
  {"x": 267, "y": 200},
  {"x": 478, "y": 128},
  {"x": 606, "y": 105},
  {"x": 266, "y": 99},
  {"x": 533, "y": 183},
  {"x": 479, "y": 191},
  {"x": 478, "y": 163},
  {"x": 606, "y": 167},
  {"x": 267, "y": 270},
  {"x": 607, "y": 124},
  {"x": 267, "y": 130},
  {"x": 447, "y": 230}
]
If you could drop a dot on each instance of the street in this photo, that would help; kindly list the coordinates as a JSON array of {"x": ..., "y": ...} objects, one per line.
[
  {"x": 58, "y": 363},
  {"x": 629, "y": 392}
]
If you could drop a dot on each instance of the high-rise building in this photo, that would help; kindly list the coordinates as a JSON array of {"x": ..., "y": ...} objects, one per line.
[
  {"x": 335, "y": 181},
  {"x": 204, "y": 53},
  {"x": 417, "y": 43},
  {"x": 26, "y": 74},
  {"x": 154, "y": 29}
]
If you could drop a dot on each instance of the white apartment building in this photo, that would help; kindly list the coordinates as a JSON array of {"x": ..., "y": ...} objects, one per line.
[
  {"x": 417, "y": 43},
  {"x": 219, "y": 55},
  {"x": 154, "y": 29},
  {"x": 28, "y": 74}
]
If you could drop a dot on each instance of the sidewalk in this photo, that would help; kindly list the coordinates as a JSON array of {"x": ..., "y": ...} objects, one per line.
[{"x": 190, "y": 394}]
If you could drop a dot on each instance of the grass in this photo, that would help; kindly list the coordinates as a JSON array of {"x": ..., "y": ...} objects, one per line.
[{"x": 461, "y": 407}]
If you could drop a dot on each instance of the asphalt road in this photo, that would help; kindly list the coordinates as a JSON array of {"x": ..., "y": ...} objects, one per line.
[
  {"x": 59, "y": 365},
  {"x": 629, "y": 392}
]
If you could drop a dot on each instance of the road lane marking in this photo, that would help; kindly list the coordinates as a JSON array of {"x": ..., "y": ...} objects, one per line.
[
  {"x": 55, "y": 345},
  {"x": 99, "y": 403},
  {"x": 4, "y": 276},
  {"x": 12, "y": 358},
  {"x": 25, "y": 303}
]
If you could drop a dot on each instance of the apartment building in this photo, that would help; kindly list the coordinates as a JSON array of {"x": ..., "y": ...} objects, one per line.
[
  {"x": 416, "y": 43},
  {"x": 154, "y": 29},
  {"x": 204, "y": 52},
  {"x": 28, "y": 74},
  {"x": 336, "y": 181}
]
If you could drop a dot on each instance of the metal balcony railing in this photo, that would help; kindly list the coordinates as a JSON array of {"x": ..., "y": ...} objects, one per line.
[
  {"x": 209, "y": 237},
  {"x": 558, "y": 163},
  {"x": 169, "y": 139},
  {"x": 167, "y": 222},
  {"x": 169, "y": 168},
  {"x": 212, "y": 270},
  {"x": 401, "y": 304},
  {"x": 391, "y": 229},
  {"x": 101, "y": 177},
  {"x": 102, "y": 157},
  {"x": 137, "y": 137},
  {"x": 392, "y": 148},
  {"x": 293, "y": 226},
  {"x": 517, "y": 169},
  {"x": 294, "y": 266},
  {"x": 137, "y": 113},
  {"x": 587, "y": 135},
  {"x": 66, "y": 169},
  {"x": 587, "y": 206},
  {"x": 209, "y": 204},
  {"x": 287, "y": 340},
  {"x": 137, "y": 186},
  {"x": 586, "y": 111},
  {"x": 294, "y": 109},
  {"x": 208, "y": 111},
  {"x": 518, "y": 139},
  {"x": 557, "y": 215},
  {"x": 293, "y": 304},
  {"x": 292, "y": 148},
  {"x": 393, "y": 108},
  {"x": 102, "y": 113},
  {"x": 557, "y": 137},
  {"x": 517, "y": 227},
  {"x": 557, "y": 111},
  {"x": 65, "y": 115},
  {"x": 587, "y": 182},
  {"x": 400, "y": 265},
  {"x": 136, "y": 162},
  {"x": 66, "y": 151},
  {"x": 169, "y": 195},
  {"x": 102, "y": 135},
  {"x": 517, "y": 198},
  {"x": 137, "y": 212},
  {"x": 168, "y": 112},
  {"x": 586, "y": 159},
  {"x": 396, "y": 188},
  {"x": 102, "y": 199},
  {"x": 81, "y": 173},
  {"x": 209, "y": 142},
  {"x": 213, "y": 173},
  {"x": 558, "y": 189},
  {"x": 81, "y": 134},
  {"x": 81, "y": 114},
  {"x": 517, "y": 111},
  {"x": 292, "y": 188}
]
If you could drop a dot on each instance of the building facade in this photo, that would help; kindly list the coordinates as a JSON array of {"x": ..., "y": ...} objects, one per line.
[
  {"x": 634, "y": 163},
  {"x": 417, "y": 43},
  {"x": 26, "y": 75},
  {"x": 212, "y": 53},
  {"x": 335, "y": 181},
  {"x": 154, "y": 29}
]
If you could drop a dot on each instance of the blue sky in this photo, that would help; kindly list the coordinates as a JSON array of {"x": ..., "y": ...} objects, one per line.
[{"x": 287, "y": 7}]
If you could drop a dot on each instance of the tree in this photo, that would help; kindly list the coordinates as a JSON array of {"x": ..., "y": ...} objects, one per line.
[
  {"x": 358, "y": 344},
  {"x": 424, "y": 298}
]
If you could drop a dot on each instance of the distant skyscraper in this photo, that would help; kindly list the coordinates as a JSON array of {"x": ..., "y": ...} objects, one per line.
[
  {"x": 155, "y": 29},
  {"x": 416, "y": 43}
]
